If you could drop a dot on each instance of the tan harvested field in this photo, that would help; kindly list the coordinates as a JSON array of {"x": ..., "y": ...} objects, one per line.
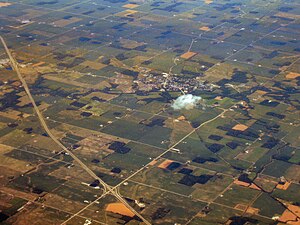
[
  {"x": 14, "y": 114},
  {"x": 252, "y": 210},
  {"x": 208, "y": 1},
  {"x": 283, "y": 186},
  {"x": 181, "y": 118},
  {"x": 241, "y": 183},
  {"x": 290, "y": 215},
  {"x": 240, "y": 127},
  {"x": 188, "y": 55},
  {"x": 292, "y": 75},
  {"x": 254, "y": 186},
  {"x": 244, "y": 184},
  {"x": 204, "y": 28},
  {"x": 152, "y": 163},
  {"x": 126, "y": 13},
  {"x": 3, "y": 4},
  {"x": 219, "y": 98},
  {"x": 287, "y": 15},
  {"x": 295, "y": 209},
  {"x": 261, "y": 92},
  {"x": 130, "y": 6},
  {"x": 165, "y": 164},
  {"x": 119, "y": 208},
  {"x": 38, "y": 64}
]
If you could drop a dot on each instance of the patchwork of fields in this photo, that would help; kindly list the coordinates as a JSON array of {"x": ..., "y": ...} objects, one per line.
[{"x": 105, "y": 74}]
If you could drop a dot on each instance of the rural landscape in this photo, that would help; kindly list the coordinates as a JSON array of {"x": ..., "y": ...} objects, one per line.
[{"x": 139, "y": 112}]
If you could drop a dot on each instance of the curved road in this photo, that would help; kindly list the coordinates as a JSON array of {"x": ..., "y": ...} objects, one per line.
[{"x": 106, "y": 187}]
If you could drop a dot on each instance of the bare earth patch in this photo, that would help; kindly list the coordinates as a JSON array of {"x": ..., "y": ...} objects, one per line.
[
  {"x": 165, "y": 164},
  {"x": 181, "y": 118},
  {"x": 126, "y": 13},
  {"x": 287, "y": 15},
  {"x": 292, "y": 75},
  {"x": 4, "y": 4},
  {"x": 290, "y": 215},
  {"x": 38, "y": 64},
  {"x": 119, "y": 208},
  {"x": 188, "y": 55},
  {"x": 130, "y": 6},
  {"x": 240, "y": 127},
  {"x": 283, "y": 186},
  {"x": 244, "y": 184},
  {"x": 204, "y": 28},
  {"x": 208, "y": 1},
  {"x": 153, "y": 162}
]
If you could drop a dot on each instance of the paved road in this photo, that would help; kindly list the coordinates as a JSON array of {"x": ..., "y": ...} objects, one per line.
[{"x": 107, "y": 188}]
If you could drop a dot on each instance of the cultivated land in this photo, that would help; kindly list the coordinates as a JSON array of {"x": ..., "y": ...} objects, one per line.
[{"x": 87, "y": 131}]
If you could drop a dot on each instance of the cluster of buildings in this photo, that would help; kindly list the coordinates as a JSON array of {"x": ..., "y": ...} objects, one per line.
[{"x": 166, "y": 82}]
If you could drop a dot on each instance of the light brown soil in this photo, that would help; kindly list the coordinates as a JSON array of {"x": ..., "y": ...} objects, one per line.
[
  {"x": 292, "y": 75},
  {"x": 130, "y": 6},
  {"x": 288, "y": 217},
  {"x": 244, "y": 184},
  {"x": 208, "y": 1},
  {"x": 126, "y": 13},
  {"x": 38, "y": 64},
  {"x": 152, "y": 163},
  {"x": 181, "y": 118},
  {"x": 204, "y": 28},
  {"x": 287, "y": 15},
  {"x": 218, "y": 98},
  {"x": 188, "y": 55},
  {"x": 240, "y": 127},
  {"x": 4, "y": 4},
  {"x": 241, "y": 183},
  {"x": 165, "y": 164},
  {"x": 254, "y": 186},
  {"x": 283, "y": 186},
  {"x": 119, "y": 208}
]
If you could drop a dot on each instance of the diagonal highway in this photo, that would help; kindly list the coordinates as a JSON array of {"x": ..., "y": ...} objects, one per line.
[{"x": 106, "y": 187}]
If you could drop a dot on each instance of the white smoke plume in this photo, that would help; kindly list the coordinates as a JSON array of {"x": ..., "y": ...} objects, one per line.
[{"x": 188, "y": 101}]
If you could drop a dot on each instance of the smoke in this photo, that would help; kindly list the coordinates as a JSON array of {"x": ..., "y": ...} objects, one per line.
[{"x": 188, "y": 101}]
